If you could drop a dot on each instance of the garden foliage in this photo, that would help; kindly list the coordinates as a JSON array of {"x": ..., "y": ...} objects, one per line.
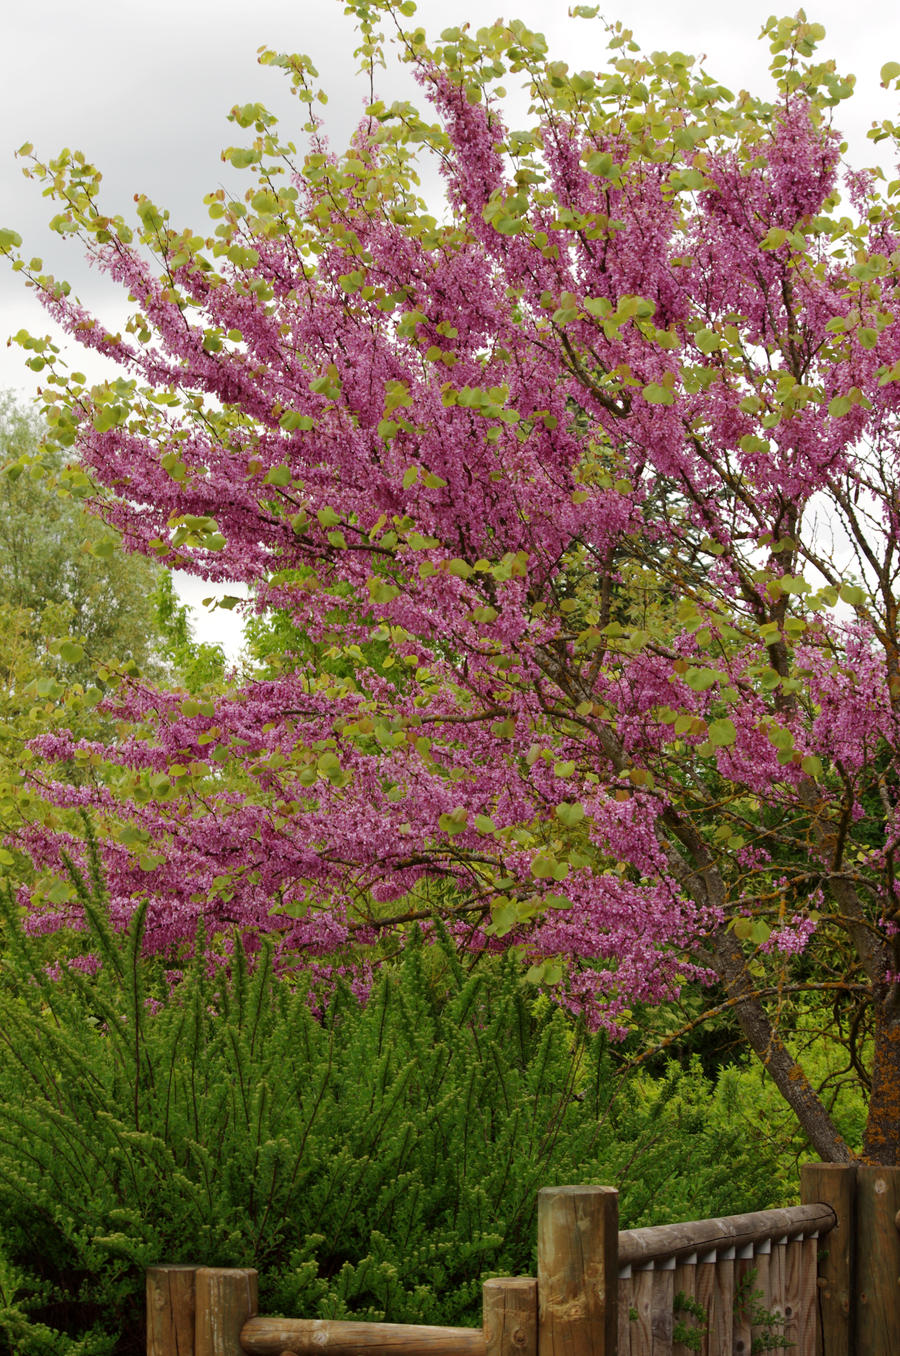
[
  {"x": 373, "y": 1160},
  {"x": 565, "y": 449}
]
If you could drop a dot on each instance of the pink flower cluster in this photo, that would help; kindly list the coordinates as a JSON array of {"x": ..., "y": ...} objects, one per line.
[{"x": 559, "y": 460}]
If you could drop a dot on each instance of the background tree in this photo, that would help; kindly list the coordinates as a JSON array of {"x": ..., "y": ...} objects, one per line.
[
  {"x": 78, "y": 616},
  {"x": 648, "y": 342},
  {"x": 57, "y": 558},
  {"x": 188, "y": 662}
]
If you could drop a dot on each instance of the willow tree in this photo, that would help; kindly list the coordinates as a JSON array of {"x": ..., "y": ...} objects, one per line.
[{"x": 587, "y": 485}]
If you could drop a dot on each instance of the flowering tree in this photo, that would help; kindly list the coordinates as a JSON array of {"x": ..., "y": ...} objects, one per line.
[{"x": 583, "y": 498}]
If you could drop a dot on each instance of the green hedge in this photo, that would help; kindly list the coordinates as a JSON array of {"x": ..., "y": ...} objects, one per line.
[{"x": 376, "y": 1162}]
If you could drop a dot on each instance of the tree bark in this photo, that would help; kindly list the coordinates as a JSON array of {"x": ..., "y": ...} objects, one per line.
[{"x": 881, "y": 1142}]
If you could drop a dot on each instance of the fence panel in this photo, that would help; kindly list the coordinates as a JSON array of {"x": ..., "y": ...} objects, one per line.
[{"x": 717, "y": 1287}]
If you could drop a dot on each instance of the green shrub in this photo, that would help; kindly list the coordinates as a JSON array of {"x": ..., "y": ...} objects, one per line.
[{"x": 375, "y": 1162}]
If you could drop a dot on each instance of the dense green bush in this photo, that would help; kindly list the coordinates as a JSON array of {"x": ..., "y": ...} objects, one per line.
[{"x": 376, "y": 1161}]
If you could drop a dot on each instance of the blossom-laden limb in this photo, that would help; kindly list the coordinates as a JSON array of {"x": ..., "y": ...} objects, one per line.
[{"x": 584, "y": 487}]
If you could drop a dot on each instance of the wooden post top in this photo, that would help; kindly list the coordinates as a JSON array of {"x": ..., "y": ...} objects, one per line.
[{"x": 578, "y": 1230}]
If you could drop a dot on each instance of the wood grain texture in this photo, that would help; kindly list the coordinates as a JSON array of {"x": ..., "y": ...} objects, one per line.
[
  {"x": 509, "y": 1316},
  {"x": 661, "y": 1319},
  {"x": 777, "y": 1281},
  {"x": 762, "y": 1290},
  {"x": 833, "y": 1184},
  {"x": 877, "y": 1261},
  {"x": 721, "y": 1307},
  {"x": 806, "y": 1312},
  {"x": 684, "y": 1282},
  {"x": 263, "y": 1336},
  {"x": 625, "y": 1306},
  {"x": 705, "y": 1273},
  {"x": 170, "y": 1311},
  {"x": 642, "y": 1324},
  {"x": 577, "y": 1271},
  {"x": 225, "y": 1299},
  {"x": 744, "y": 1281},
  {"x": 793, "y": 1291}
]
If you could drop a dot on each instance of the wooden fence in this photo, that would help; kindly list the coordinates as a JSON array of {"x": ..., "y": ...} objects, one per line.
[{"x": 820, "y": 1279}]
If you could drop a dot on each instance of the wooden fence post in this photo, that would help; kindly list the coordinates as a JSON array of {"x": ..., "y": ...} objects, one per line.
[
  {"x": 225, "y": 1297},
  {"x": 834, "y": 1184},
  {"x": 877, "y": 1261},
  {"x": 577, "y": 1270},
  {"x": 170, "y": 1311},
  {"x": 509, "y": 1309}
]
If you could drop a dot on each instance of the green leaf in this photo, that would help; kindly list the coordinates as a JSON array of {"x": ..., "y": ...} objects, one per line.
[
  {"x": 544, "y": 866},
  {"x": 71, "y": 651},
  {"x": 328, "y": 765},
  {"x": 380, "y": 591},
  {"x": 688, "y": 180},
  {"x": 655, "y": 394},
  {"x": 544, "y": 972},
  {"x": 291, "y": 420},
  {"x": 504, "y": 916},
  {"x": 396, "y": 395},
  {"x": 774, "y": 238},
  {"x": 279, "y": 475},
  {"x": 454, "y": 822},
  {"x": 149, "y": 861},
  {"x": 599, "y": 163},
  {"x": 889, "y": 71},
  {"x": 241, "y": 157},
  {"x": 700, "y": 680},
  {"x": 722, "y": 733},
  {"x": 707, "y": 341},
  {"x": 570, "y": 813}
]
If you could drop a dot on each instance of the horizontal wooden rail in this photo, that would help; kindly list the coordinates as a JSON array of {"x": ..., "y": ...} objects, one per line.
[
  {"x": 662, "y": 1242},
  {"x": 339, "y": 1337}
]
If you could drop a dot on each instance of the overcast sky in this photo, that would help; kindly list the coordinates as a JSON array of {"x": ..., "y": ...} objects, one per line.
[{"x": 145, "y": 90}]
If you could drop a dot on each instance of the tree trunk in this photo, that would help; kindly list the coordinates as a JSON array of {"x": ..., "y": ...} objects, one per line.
[{"x": 881, "y": 1143}]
